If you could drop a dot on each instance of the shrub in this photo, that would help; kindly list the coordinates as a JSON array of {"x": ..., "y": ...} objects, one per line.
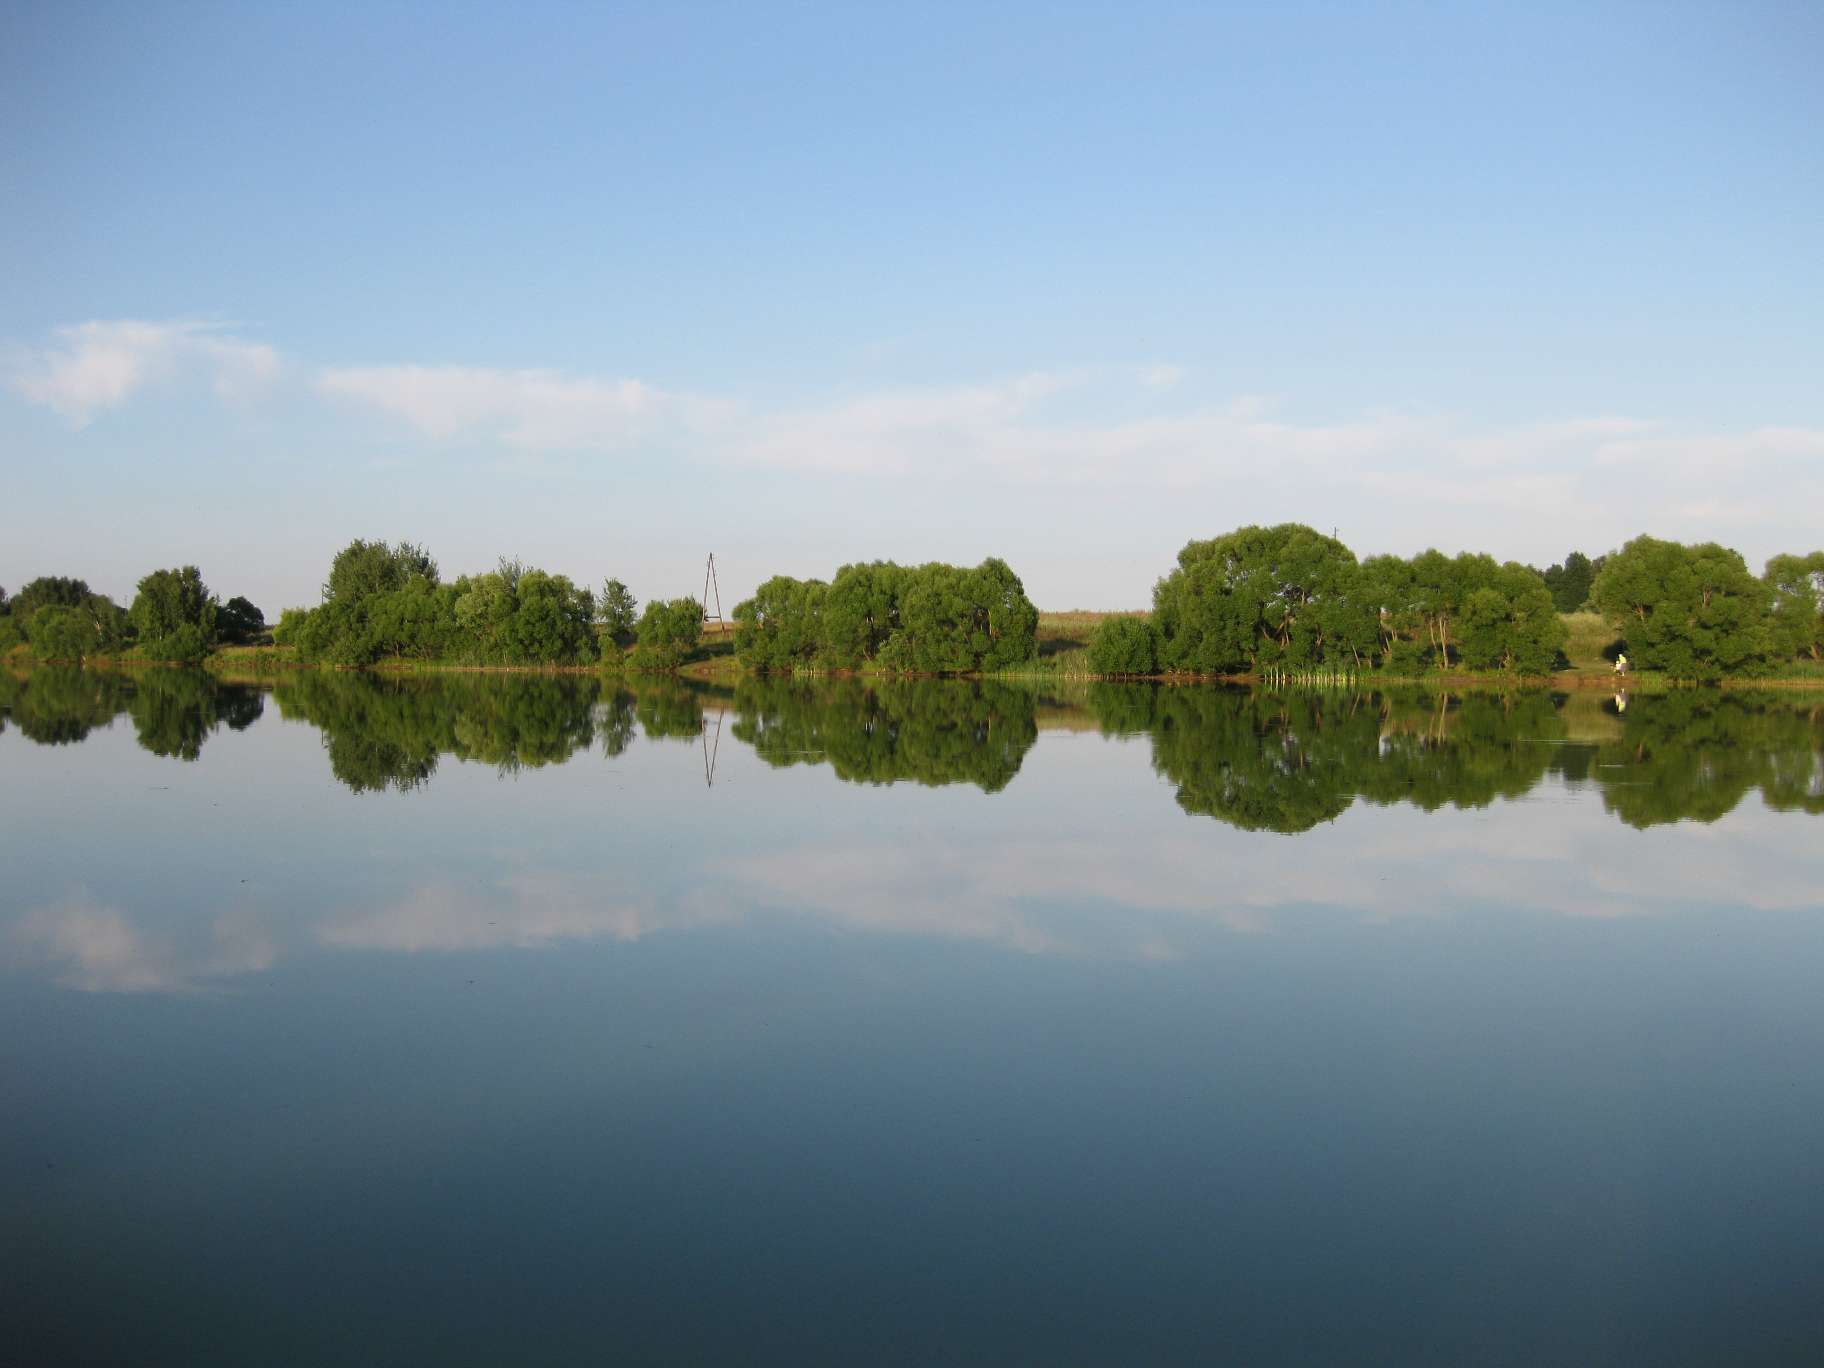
[{"x": 1125, "y": 645}]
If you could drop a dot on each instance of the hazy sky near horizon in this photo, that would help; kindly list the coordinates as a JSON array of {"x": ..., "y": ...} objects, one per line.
[{"x": 608, "y": 290}]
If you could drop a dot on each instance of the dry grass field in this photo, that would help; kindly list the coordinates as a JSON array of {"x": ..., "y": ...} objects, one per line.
[{"x": 1590, "y": 646}]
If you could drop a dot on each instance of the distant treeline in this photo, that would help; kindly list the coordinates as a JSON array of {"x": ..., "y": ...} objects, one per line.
[
  {"x": 908, "y": 619},
  {"x": 173, "y": 617},
  {"x": 1266, "y": 601},
  {"x": 1289, "y": 599},
  {"x": 384, "y": 602}
]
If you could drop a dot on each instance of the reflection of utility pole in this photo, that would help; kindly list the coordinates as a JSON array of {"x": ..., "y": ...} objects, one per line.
[
  {"x": 709, "y": 755},
  {"x": 709, "y": 582}
]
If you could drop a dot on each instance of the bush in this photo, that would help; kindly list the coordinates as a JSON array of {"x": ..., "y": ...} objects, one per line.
[
  {"x": 185, "y": 644},
  {"x": 781, "y": 626},
  {"x": 65, "y": 634},
  {"x": 668, "y": 632},
  {"x": 1125, "y": 645}
]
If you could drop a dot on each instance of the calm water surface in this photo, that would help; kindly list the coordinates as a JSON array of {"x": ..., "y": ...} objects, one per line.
[{"x": 517, "y": 1020}]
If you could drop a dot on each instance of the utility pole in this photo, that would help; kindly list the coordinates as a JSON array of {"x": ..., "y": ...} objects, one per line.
[{"x": 710, "y": 582}]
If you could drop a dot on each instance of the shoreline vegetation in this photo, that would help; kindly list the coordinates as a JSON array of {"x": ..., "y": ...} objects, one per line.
[{"x": 1279, "y": 606}]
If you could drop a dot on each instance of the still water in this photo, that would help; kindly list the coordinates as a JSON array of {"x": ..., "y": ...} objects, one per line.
[{"x": 525, "y": 1020}]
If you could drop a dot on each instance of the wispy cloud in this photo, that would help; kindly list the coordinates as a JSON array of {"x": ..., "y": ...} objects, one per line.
[
  {"x": 1399, "y": 477},
  {"x": 538, "y": 409},
  {"x": 99, "y": 365}
]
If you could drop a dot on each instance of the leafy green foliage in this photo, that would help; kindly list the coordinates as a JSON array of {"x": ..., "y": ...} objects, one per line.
[
  {"x": 238, "y": 622},
  {"x": 1694, "y": 612},
  {"x": 174, "y": 615},
  {"x": 386, "y": 603},
  {"x": 1125, "y": 645},
  {"x": 363, "y": 568},
  {"x": 49, "y": 591},
  {"x": 1507, "y": 621},
  {"x": 64, "y": 634},
  {"x": 861, "y": 612},
  {"x": 1797, "y": 625},
  {"x": 615, "y": 612},
  {"x": 95, "y": 625},
  {"x": 1569, "y": 581},
  {"x": 926, "y": 619},
  {"x": 781, "y": 626},
  {"x": 667, "y": 633},
  {"x": 1260, "y": 596}
]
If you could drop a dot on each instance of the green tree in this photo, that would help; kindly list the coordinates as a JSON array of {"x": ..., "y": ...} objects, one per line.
[
  {"x": 1284, "y": 595},
  {"x": 1796, "y": 627},
  {"x": 615, "y": 612},
  {"x": 1125, "y": 645},
  {"x": 238, "y": 622},
  {"x": 49, "y": 591},
  {"x": 1694, "y": 612},
  {"x": 364, "y": 568},
  {"x": 1507, "y": 620},
  {"x": 64, "y": 634},
  {"x": 781, "y": 627},
  {"x": 1569, "y": 582},
  {"x": 174, "y": 614},
  {"x": 668, "y": 632},
  {"x": 956, "y": 621},
  {"x": 861, "y": 611}
]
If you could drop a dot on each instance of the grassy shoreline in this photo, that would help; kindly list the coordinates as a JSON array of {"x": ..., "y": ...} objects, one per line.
[{"x": 1063, "y": 657}]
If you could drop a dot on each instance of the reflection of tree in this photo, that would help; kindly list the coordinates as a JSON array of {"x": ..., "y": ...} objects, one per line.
[
  {"x": 669, "y": 711},
  {"x": 930, "y": 732},
  {"x": 387, "y": 732},
  {"x": 1462, "y": 750},
  {"x": 1286, "y": 761},
  {"x": 614, "y": 722},
  {"x": 1693, "y": 754},
  {"x": 174, "y": 710},
  {"x": 1262, "y": 762},
  {"x": 56, "y": 705}
]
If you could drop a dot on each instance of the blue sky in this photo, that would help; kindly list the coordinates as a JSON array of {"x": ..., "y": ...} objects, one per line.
[{"x": 610, "y": 290}]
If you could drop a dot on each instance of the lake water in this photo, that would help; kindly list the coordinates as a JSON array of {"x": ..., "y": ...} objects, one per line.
[{"x": 520, "y": 1020}]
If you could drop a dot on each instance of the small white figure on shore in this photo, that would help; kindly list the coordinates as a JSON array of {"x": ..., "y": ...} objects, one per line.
[{"x": 1621, "y": 664}]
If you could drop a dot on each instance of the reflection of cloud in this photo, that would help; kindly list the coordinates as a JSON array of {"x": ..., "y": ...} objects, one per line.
[
  {"x": 98, "y": 950},
  {"x": 889, "y": 888},
  {"x": 1135, "y": 898},
  {"x": 523, "y": 910}
]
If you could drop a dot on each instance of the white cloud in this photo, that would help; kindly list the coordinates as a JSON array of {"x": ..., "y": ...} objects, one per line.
[
  {"x": 99, "y": 365},
  {"x": 527, "y": 408}
]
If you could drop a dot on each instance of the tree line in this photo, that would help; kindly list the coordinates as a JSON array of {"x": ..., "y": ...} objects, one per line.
[
  {"x": 1287, "y": 599},
  {"x": 903, "y": 619},
  {"x": 390, "y": 603},
  {"x": 1262, "y": 601},
  {"x": 173, "y": 617}
]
